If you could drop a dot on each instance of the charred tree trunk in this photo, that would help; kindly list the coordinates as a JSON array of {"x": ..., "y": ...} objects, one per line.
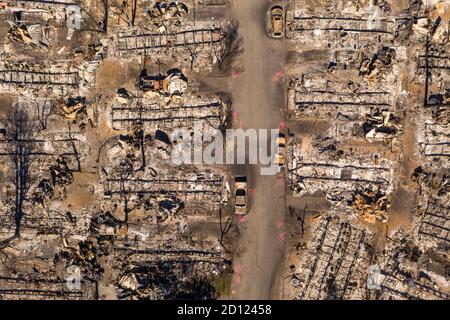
[
  {"x": 232, "y": 48},
  {"x": 133, "y": 12},
  {"x": 19, "y": 135},
  {"x": 105, "y": 17}
]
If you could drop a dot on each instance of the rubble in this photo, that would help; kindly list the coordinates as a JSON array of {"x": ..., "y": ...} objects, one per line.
[
  {"x": 433, "y": 223},
  {"x": 381, "y": 125},
  {"x": 408, "y": 273},
  {"x": 165, "y": 14},
  {"x": 175, "y": 83},
  {"x": 370, "y": 205},
  {"x": 349, "y": 182},
  {"x": 335, "y": 264},
  {"x": 93, "y": 207},
  {"x": 356, "y": 111},
  {"x": 432, "y": 182}
]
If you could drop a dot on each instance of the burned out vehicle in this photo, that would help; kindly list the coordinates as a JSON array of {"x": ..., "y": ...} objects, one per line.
[
  {"x": 173, "y": 83},
  {"x": 148, "y": 82},
  {"x": 275, "y": 22},
  {"x": 280, "y": 159},
  {"x": 240, "y": 195}
]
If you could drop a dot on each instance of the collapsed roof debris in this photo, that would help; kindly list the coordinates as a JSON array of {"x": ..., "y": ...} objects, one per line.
[
  {"x": 409, "y": 272},
  {"x": 164, "y": 14},
  {"x": 356, "y": 111},
  {"x": 370, "y": 205},
  {"x": 36, "y": 36},
  {"x": 380, "y": 62},
  {"x": 349, "y": 182}
]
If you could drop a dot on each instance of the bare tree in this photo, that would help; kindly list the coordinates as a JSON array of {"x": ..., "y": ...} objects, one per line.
[
  {"x": 134, "y": 11},
  {"x": 44, "y": 109},
  {"x": 19, "y": 133},
  {"x": 230, "y": 225},
  {"x": 231, "y": 49},
  {"x": 105, "y": 16},
  {"x": 122, "y": 10}
]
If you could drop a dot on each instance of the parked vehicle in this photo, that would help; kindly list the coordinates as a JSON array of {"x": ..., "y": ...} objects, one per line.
[
  {"x": 280, "y": 156},
  {"x": 240, "y": 195},
  {"x": 276, "y": 22}
]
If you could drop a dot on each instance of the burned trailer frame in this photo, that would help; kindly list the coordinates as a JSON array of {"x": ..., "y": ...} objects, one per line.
[
  {"x": 156, "y": 272},
  {"x": 39, "y": 78},
  {"x": 342, "y": 24},
  {"x": 168, "y": 116},
  {"x": 18, "y": 133},
  {"x": 360, "y": 29},
  {"x": 61, "y": 82},
  {"x": 189, "y": 188},
  {"x": 430, "y": 63},
  {"x": 437, "y": 141},
  {"x": 173, "y": 254},
  {"x": 390, "y": 281},
  {"x": 27, "y": 287},
  {"x": 394, "y": 280},
  {"x": 198, "y": 191},
  {"x": 147, "y": 42},
  {"x": 435, "y": 223},
  {"x": 54, "y": 223},
  {"x": 347, "y": 175},
  {"x": 339, "y": 253},
  {"x": 352, "y": 113}
]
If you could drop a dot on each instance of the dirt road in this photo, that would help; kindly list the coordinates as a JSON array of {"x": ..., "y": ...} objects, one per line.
[{"x": 258, "y": 101}]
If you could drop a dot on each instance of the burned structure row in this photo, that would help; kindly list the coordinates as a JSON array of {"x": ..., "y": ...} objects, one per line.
[
  {"x": 92, "y": 205},
  {"x": 368, "y": 81}
]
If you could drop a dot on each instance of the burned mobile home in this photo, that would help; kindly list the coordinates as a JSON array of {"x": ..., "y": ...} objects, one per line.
[
  {"x": 167, "y": 102},
  {"x": 189, "y": 33},
  {"x": 410, "y": 272},
  {"x": 356, "y": 112},
  {"x": 336, "y": 264},
  {"x": 359, "y": 185}
]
